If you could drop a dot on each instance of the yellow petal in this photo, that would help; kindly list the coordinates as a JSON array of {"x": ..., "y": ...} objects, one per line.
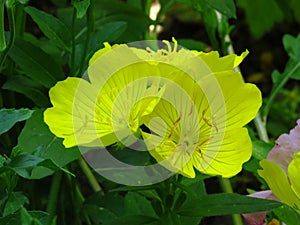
[
  {"x": 278, "y": 182},
  {"x": 294, "y": 175},
  {"x": 225, "y": 155},
  {"x": 217, "y": 64},
  {"x": 72, "y": 114}
]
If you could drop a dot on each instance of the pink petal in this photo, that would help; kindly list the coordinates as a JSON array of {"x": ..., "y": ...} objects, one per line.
[
  {"x": 258, "y": 218},
  {"x": 286, "y": 146}
]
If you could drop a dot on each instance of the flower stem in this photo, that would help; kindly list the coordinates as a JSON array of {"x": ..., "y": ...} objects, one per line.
[
  {"x": 227, "y": 188},
  {"x": 261, "y": 128},
  {"x": 258, "y": 122},
  {"x": 53, "y": 196},
  {"x": 90, "y": 176}
]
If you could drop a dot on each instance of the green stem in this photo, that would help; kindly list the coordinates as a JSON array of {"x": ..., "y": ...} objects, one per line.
[
  {"x": 227, "y": 188},
  {"x": 12, "y": 27},
  {"x": 261, "y": 128},
  {"x": 2, "y": 35},
  {"x": 53, "y": 196},
  {"x": 89, "y": 175},
  {"x": 90, "y": 28},
  {"x": 258, "y": 122},
  {"x": 275, "y": 92}
]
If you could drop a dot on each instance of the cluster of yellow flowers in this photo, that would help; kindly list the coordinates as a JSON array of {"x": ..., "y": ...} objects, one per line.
[{"x": 193, "y": 104}]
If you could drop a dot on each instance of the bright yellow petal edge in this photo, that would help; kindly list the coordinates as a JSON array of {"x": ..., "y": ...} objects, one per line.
[{"x": 278, "y": 181}]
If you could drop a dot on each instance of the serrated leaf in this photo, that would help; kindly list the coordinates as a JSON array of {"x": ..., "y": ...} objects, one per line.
[
  {"x": 35, "y": 63},
  {"x": 52, "y": 27},
  {"x": 37, "y": 139},
  {"x": 9, "y": 117},
  {"x": 225, "y": 204},
  {"x": 227, "y": 7},
  {"x": 26, "y": 86}
]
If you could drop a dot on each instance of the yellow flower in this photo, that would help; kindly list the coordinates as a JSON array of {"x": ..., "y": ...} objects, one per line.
[
  {"x": 204, "y": 132},
  {"x": 193, "y": 103},
  {"x": 107, "y": 106},
  {"x": 286, "y": 188}
]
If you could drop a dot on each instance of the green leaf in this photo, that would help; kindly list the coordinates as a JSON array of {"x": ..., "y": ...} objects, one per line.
[
  {"x": 137, "y": 204},
  {"x": 292, "y": 70},
  {"x": 295, "y": 6},
  {"x": 192, "y": 44},
  {"x": 35, "y": 63},
  {"x": 225, "y": 204},
  {"x": 25, "y": 217},
  {"x": 39, "y": 218},
  {"x": 9, "y": 117},
  {"x": 37, "y": 139},
  {"x": 59, "y": 3},
  {"x": 14, "y": 202},
  {"x": 136, "y": 220},
  {"x": 292, "y": 46},
  {"x": 52, "y": 27},
  {"x": 104, "y": 32},
  {"x": 227, "y": 7},
  {"x": 116, "y": 11},
  {"x": 260, "y": 149},
  {"x": 287, "y": 215},
  {"x": 98, "y": 215},
  {"x": 23, "y": 164},
  {"x": 81, "y": 7},
  {"x": 210, "y": 20},
  {"x": 261, "y": 15},
  {"x": 26, "y": 86}
]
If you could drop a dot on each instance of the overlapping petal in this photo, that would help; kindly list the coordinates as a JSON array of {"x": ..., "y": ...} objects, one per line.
[
  {"x": 279, "y": 183},
  {"x": 194, "y": 104},
  {"x": 203, "y": 129}
]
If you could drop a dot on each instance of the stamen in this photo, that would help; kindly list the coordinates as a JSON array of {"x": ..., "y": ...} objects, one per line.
[
  {"x": 174, "y": 126},
  {"x": 168, "y": 45},
  {"x": 150, "y": 50},
  {"x": 198, "y": 148},
  {"x": 211, "y": 123},
  {"x": 175, "y": 44}
]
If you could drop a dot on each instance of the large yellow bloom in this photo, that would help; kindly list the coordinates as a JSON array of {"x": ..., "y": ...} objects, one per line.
[{"x": 193, "y": 103}]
